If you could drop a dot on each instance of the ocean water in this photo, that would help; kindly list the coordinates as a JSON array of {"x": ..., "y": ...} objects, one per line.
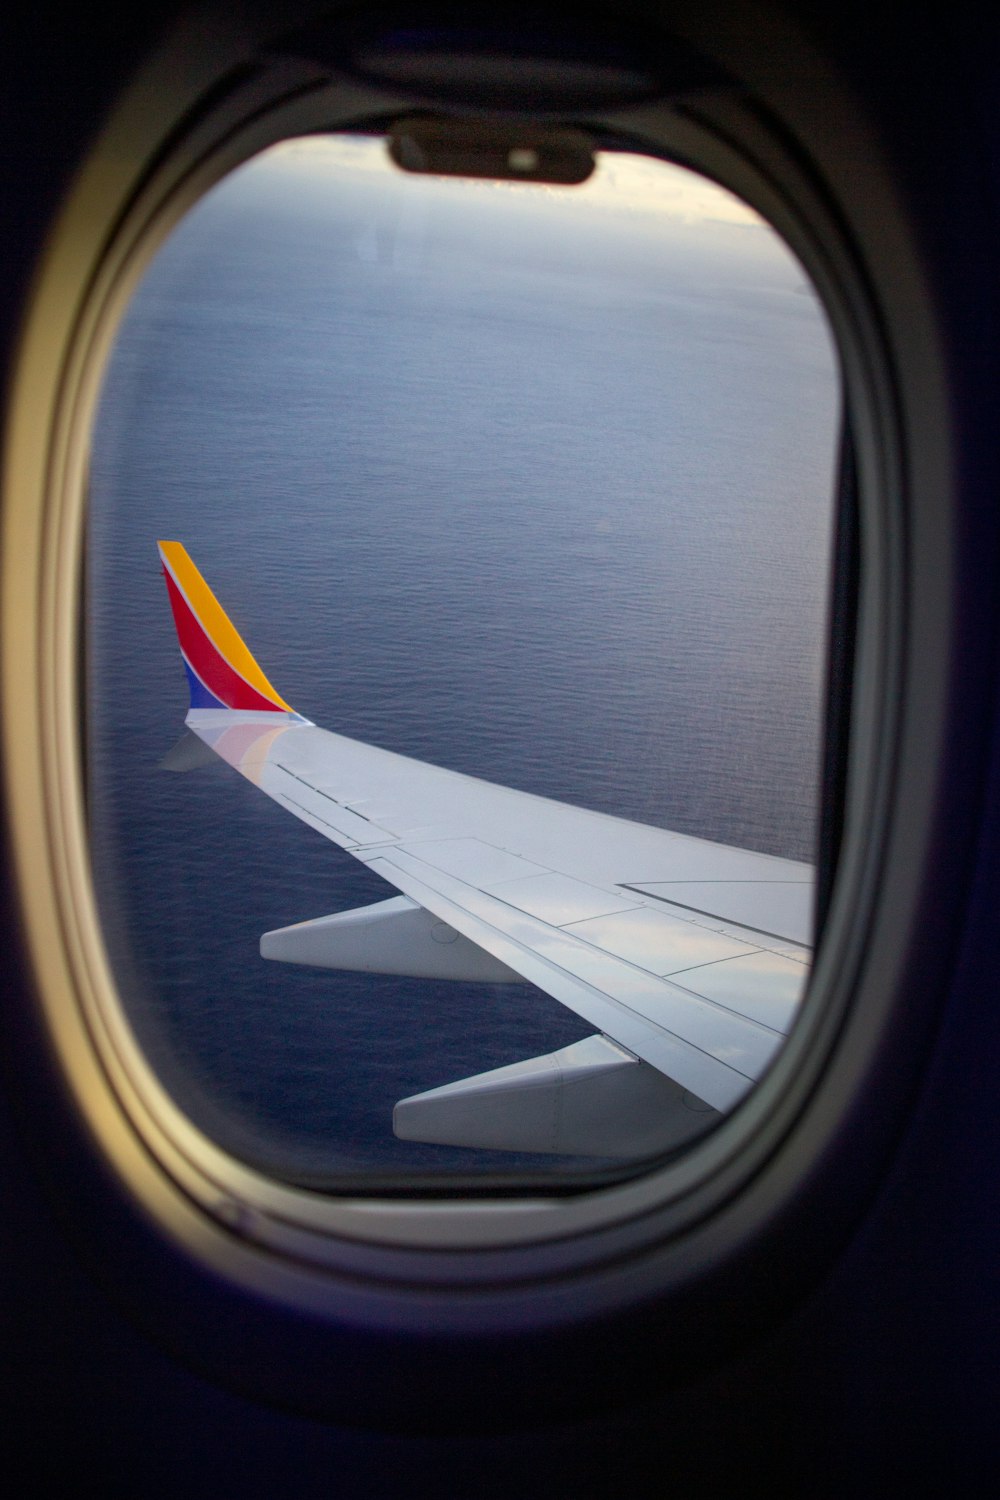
[{"x": 533, "y": 491}]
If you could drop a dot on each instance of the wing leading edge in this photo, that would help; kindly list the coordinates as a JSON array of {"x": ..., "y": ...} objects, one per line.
[{"x": 688, "y": 957}]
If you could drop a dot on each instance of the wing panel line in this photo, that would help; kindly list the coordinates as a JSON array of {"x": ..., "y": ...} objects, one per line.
[{"x": 718, "y": 1081}]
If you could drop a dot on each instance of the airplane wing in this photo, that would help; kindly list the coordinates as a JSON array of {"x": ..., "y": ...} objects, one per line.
[{"x": 688, "y": 957}]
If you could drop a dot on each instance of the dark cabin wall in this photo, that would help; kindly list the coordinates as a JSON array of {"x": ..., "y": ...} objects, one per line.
[{"x": 887, "y": 1372}]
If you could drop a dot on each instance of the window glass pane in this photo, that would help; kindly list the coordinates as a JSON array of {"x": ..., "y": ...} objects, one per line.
[{"x": 534, "y": 484}]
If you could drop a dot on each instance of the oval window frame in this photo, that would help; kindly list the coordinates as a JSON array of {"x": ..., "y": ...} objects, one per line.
[{"x": 746, "y": 1174}]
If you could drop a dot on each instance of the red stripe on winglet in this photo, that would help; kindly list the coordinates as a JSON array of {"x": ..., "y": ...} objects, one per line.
[{"x": 213, "y": 669}]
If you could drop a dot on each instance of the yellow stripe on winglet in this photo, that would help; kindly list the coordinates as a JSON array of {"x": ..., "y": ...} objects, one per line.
[{"x": 215, "y": 622}]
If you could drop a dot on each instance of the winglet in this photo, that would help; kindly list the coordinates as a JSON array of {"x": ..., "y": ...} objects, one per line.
[{"x": 221, "y": 671}]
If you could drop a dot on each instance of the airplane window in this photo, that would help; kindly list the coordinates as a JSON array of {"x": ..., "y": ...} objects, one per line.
[{"x": 482, "y": 532}]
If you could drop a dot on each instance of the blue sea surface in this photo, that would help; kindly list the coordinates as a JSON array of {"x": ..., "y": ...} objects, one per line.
[{"x": 539, "y": 496}]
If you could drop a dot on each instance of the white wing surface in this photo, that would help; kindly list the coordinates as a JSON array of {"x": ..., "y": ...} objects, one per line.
[{"x": 689, "y": 957}]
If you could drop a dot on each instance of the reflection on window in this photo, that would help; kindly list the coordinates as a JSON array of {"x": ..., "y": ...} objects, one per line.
[{"x": 532, "y": 484}]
